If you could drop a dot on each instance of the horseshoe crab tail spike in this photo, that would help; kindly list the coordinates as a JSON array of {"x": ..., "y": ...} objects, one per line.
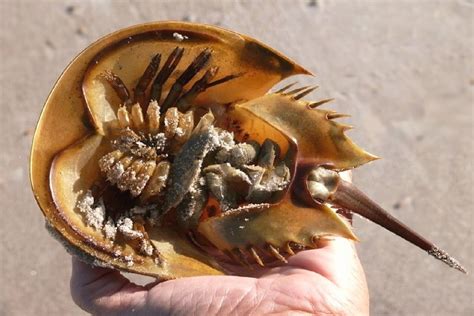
[
  {"x": 348, "y": 196},
  {"x": 326, "y": 185}
]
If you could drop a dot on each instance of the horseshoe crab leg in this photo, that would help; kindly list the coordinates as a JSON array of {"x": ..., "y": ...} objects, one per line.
[
  {"x": 185, "y": 101},
  {"x": 326, "y": 185},
  {"x": 223, "y": 80},
  {"x": 119, "y": 87},
  {"x": 197, "y": 64},
  {"x": 168, "y": 67},
  {"x": 146, "y": 79}
]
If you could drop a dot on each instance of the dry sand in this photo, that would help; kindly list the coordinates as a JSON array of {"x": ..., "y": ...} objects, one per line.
[{"x": 403, "y": 69}]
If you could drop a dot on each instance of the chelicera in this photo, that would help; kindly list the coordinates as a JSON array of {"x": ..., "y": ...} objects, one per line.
[{"x": 198, "y": 161}]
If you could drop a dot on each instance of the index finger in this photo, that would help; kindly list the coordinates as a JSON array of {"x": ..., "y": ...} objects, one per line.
[{"x": 98, "y": 290}]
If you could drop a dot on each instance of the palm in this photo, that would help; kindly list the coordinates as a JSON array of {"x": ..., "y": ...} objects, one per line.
[{"x": 328, "y": 280}]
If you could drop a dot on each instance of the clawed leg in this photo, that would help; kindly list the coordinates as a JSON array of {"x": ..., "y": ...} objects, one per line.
[
  {"x": 175, "y": 95},
  {"x": 146, "y": 79},
  {"x": 165, "y": 72},
  {"x": 198, "y": 63},
  {"x": 119, "y": 87},
  {"x": 185, "y": 101},
  {"x": 223, "y": 80}
]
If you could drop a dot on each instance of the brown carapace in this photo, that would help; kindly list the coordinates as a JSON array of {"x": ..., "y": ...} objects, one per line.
[{"x": 160, "y": 151}]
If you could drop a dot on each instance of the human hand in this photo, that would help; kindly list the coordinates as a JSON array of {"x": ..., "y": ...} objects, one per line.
[{"x": 328, "y": 280}]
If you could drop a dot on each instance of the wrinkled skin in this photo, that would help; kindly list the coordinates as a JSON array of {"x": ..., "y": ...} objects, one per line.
[{"x": 327, "y": 280}]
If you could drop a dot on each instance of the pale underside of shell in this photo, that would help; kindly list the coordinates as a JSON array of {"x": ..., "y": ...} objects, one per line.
[{"x": 173, "y": 154}]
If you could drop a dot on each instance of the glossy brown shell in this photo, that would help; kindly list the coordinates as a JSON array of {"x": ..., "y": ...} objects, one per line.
[{"x": 74, "y": 125}]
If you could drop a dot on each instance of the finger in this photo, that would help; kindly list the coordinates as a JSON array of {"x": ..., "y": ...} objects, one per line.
[
  {"x": 104, "y": 291},
  {"x": 334, "y": 259},
  {"x": 152, "y": 284},
  {"x": 213, "y": 295}
]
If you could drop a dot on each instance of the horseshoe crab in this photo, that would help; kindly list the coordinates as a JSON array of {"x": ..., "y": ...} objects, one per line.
[{"x": 160, "y": 149}]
